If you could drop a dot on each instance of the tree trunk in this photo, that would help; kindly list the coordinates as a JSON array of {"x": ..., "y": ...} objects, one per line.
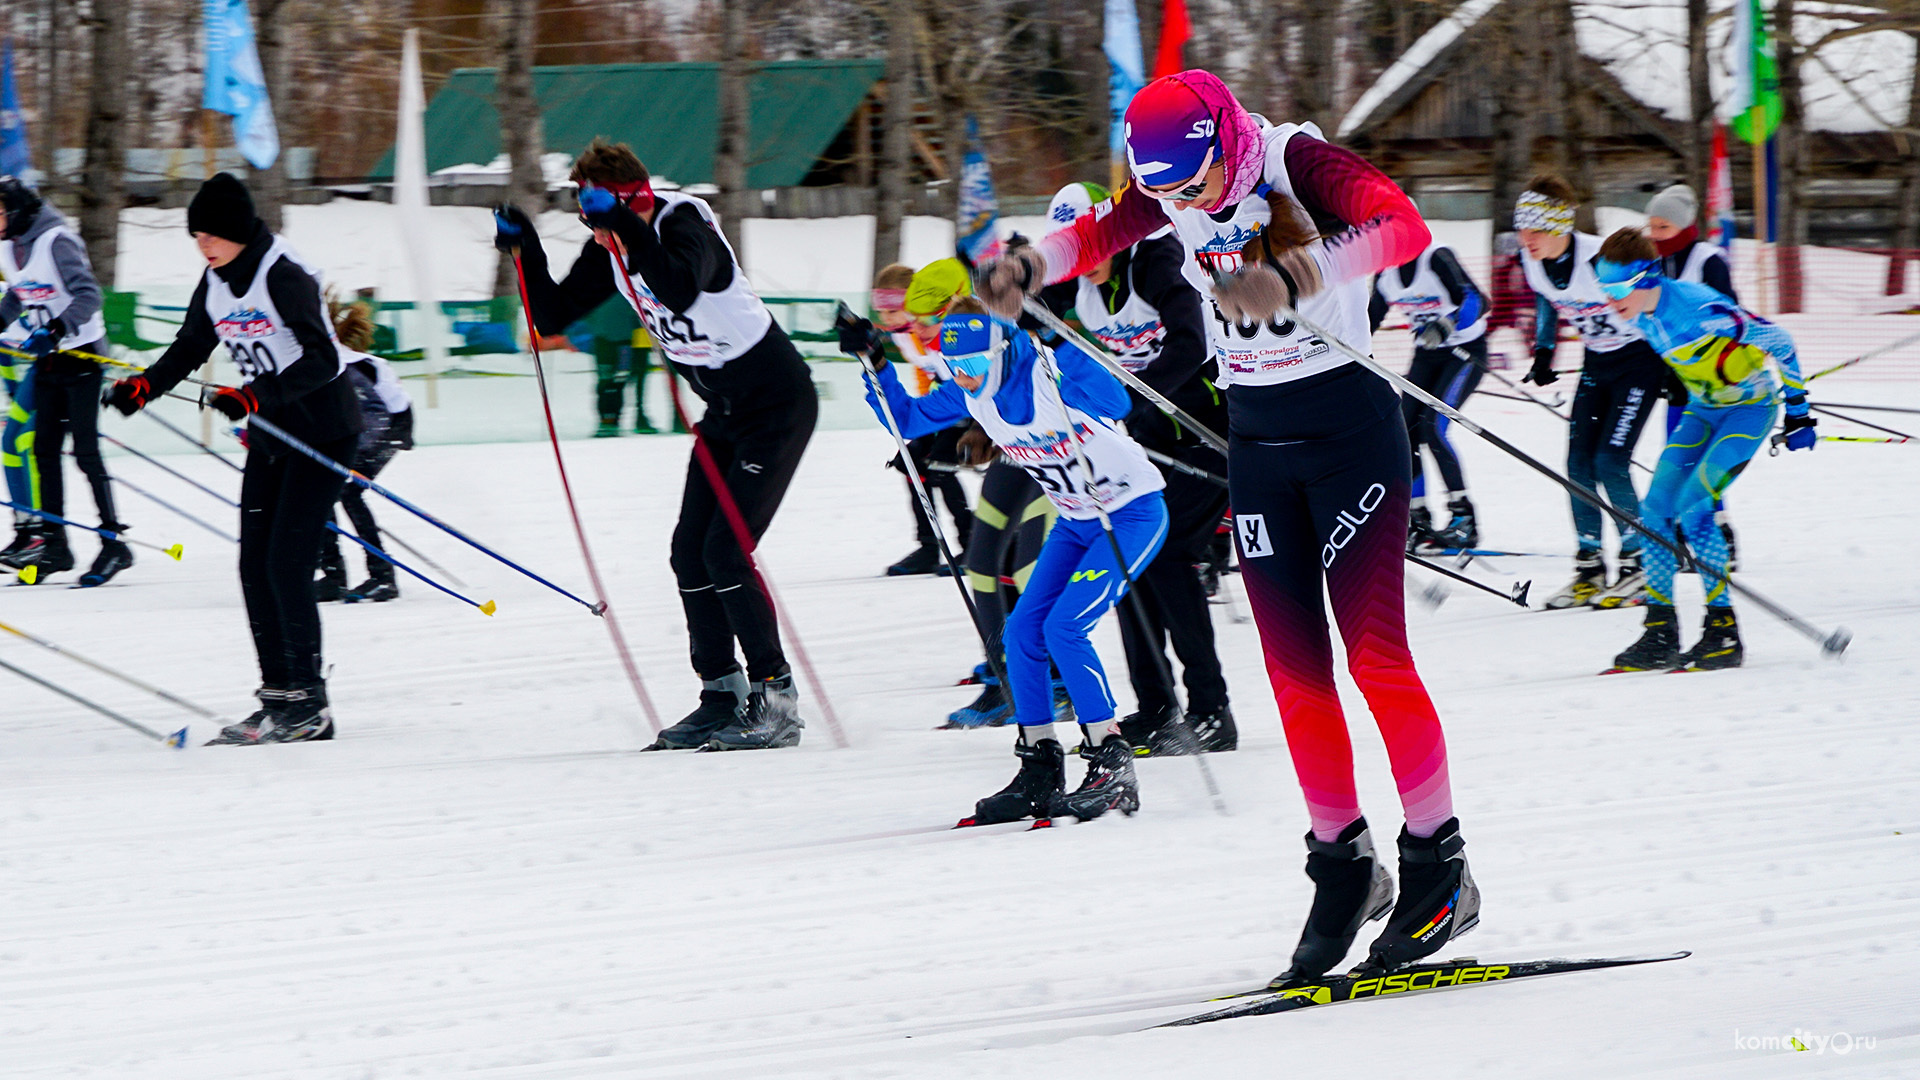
[
  {"x": 1572, "y": 153},
  {"x": 520, "y": 129},
  {"x": 1700, "y": 99},
  {"x": 896, "y": 161},
  {"x": 1789, "y": 150},
  {"x": 1096, "y": 158},
  {"x": 1314, "y": 64},
  {"x": 730, "y": 149},
  {"x": 104, "y": 189},
  {"x": 52, "y": 93},
  {"x": 270, "y": 186},
  {"x": 1907, "y": 238},
  {"x": 1515, "y": 71}
]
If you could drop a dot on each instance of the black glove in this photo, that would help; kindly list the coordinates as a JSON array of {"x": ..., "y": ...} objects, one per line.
[
  {"x": 1542, "y": 373},
  {"x": 236, "y": 403},
  {"x": 129, "y": 395},
  {"x": 512, "y": 229},
  {"x": 858, "y": 337}
]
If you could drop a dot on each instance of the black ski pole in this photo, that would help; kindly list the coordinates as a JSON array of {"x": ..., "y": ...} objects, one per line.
[
  {"x": 1517, "y": 597},
  {"x": 1487, "y": 367},
  {"x": 1829, "y": 410},
  {"x": 1133, "y": 382}
]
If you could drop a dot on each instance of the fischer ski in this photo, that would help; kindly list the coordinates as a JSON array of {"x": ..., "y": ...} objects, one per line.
[{"x": 1361, "y": 983}]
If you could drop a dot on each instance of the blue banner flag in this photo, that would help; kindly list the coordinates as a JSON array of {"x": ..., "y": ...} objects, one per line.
[
  {"x": 15, "y": 160},
  {"x": 235, "y": 83},
  {"x": 979, "y": 208},
  {"x": 1127, "y": 70}
]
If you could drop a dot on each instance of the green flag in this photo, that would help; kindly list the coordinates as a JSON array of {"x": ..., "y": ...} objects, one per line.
[{"x": 1756, "y": 107}]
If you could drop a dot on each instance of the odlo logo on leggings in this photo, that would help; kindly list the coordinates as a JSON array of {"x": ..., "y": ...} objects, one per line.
[{"x": 1346, "y": 527}]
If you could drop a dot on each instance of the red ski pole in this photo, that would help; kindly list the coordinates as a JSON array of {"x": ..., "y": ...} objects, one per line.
[{"x": 586, "y": 552}]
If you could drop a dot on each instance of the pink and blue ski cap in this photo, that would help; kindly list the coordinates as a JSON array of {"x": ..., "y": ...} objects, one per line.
[{"x": 1179, "y": 126}]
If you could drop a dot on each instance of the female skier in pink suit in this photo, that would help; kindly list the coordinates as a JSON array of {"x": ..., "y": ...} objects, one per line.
[{"x": 1318, "y": 467}]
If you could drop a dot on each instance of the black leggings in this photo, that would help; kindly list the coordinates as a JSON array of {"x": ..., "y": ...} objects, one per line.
[
  {"x": 756, "y": 453},
  {"x": 937, "y": 457},
  {"x": 68, "y": 400},
  {"x": 369, "y": 463},
  {"x": 1010, "y": 524},
  {"x": 1615, "y": 396},
  {"x": 285, "y": 503},
  {"x": 1450, "y": 375},
  {"x": 1174, "y": 600}
]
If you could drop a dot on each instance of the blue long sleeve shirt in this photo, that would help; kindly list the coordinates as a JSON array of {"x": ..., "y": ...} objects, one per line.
[
  {"x": 1084, "y": 385},
  {"x": 1720, "y": 349}
]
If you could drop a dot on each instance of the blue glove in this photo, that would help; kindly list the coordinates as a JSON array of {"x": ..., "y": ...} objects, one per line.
[
  {"x": 43, "y": 342},
  {"x": 597, "y": 205},
  {"x": 1799, "y": 431},
  {"x": 511, "y": 227}
]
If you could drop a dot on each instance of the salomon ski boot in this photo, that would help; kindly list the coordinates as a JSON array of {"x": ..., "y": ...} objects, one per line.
[
  {"x": 924, "y": 559},
  {"x": 50, "y": 555},
  {"x": 1420, "y": 534},
  {"x": 331, "y": 585},
  {"x": 114, "y": 557},
  {"x": 1041, "y": 779},
  {"x": 721, "y": 702},
  {"x": 373, "y": 591},
  {"x": 26, "y": 537},
  {"x": 1659, "y": 646},
  {"x": 1719, "y": 645},
  {"x": 1108, "y": 785},
  {"x": 1139, "y": 728},
  {"x": 1462, "y": 531},
  {"x": 1589, "y": 577},
  {"x": 1215, "y": 730},
  {"x": 991, "y": 709},
  {"x": 771, "y": 720},
  {"x": 1350, "y": 889},
  {"x": 1438, "y": 899},
  {"x": 1629, "y": 588},
  {"x": 247, "y": 731},
  {"x": 302, "y": 716}
]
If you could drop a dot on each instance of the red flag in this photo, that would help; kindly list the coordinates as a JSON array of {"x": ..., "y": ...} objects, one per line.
[{"x": 1174, "y": 33}]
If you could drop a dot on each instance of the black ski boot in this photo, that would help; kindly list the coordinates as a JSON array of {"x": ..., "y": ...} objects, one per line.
[
  {"x": 1215, "y": 729},
  {"x": 1108, "y": 785},
  {"x": 379, "y": 587},
  {"x": 1041, "y": 779},
  {"x": 1438, "y": 899},
  {"x": 1659, "y": 646},
  {"x": 1139, "y": 728},
  {"x": 247, "y": 732},
  {"x": 114, "y": 557},
  {"x": 302, "y": 716},
  {"x": 1589, "y": 577},
  {"x": 1719, "y": 645},
  {"x": 991, "y": 709},
  {"x": 771, "y": 720},
  {"x": 26, "y": 536},
  {"x": 1350, "y": 889},
  {"x": 331, "y": 585},
  {"x": 51, "y": 555},
  {"x": 721, "y": 701},
  {"x": 1420, "y": 534},
  {"x": 925, "y": 559},
  {"x": 1463, "y": 531}
]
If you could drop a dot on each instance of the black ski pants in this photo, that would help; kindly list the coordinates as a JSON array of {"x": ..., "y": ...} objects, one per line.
[
  {"x": 761, "y": 411},
  {"x": 937, "y": 458},
  {"x": 1450, "y": 375},
  {"x": 1172, "y": 598},
  {"x": 67, "y": 393},
  {"x": 286, "y": 499},
  {"x": 1616, "y": 394}
]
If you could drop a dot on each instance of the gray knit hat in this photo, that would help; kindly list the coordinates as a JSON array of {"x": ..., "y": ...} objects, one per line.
[{"x": 1676, "y": 204}]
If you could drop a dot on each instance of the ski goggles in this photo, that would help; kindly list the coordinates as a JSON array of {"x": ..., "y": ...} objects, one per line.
[
  {"x": 1619, "y": 280},
  {"x": 970, "y": 344},
  {"x": 1192, "y": 189}
]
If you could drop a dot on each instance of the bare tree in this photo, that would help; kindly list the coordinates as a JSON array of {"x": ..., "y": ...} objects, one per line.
[
  {"x": 270, "y": 23},
  {"x": 896, "y": 163},
  {"x": 1789, "y": 143},
  {"x": 1907, "y": 234},
  {"x": 1573, "y": 152},
  {"x": 1312, "y": 70},
  {"x": 731, "y": 148},
  {"x": 1515, "y": 68},
  {"x": 103, "y": 190},
  {"x": 1700, "y": 101},
  {"x": 520, "y": 129}
]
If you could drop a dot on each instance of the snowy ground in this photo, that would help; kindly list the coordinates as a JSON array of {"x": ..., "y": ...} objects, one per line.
[{"x": 480, "y": 876}]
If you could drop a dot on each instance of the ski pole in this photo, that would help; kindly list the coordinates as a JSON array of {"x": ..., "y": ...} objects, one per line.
[
  {"x": 221, "y": 458},
  {"x": 1828, "y": 409},
  {"x": 1161, "y": 667},
  {"x": 870, "y": 372},
  {"x": 573, "y": 509},
  {"x": 1059, "y": 326},
  {"x": 1868, "y": 408},
  {"x": 1831, "y": 644},
  {"x": 1868, "y": 355},
  {"x": 1518, "y": 597},
  {"x": 164, "y": 504},
  {"x": 171, "y": 471},
  {"x": 1483, "y": 365},
  {"x": 328, "y": 463},
  {"x": 1179, "y": 466},
  {"x": 170, "y": 552},
  {"x": 180, "y": 702},
  {"x": 177, "y": 740},
  {"x": 737, "y": 522},
  {"x": 1780, "y": 439},
  {"x": 487, "y": 608}
]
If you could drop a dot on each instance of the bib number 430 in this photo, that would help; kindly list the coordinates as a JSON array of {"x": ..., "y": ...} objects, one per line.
[{"x": 252, "y": 360}]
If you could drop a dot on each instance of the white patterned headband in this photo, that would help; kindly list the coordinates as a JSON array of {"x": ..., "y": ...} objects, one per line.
[{"x": 1542, "y": 214}]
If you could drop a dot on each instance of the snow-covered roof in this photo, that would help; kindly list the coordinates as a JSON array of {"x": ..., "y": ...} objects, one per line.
[{"x": 1851, "y": 84}]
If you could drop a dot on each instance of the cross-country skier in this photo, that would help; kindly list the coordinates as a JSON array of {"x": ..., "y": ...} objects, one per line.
[
  {"x": 1619, "y": 379},
  {"x": 935, "y": 457},
  {"x": 386, "y": 413},
  {"x": 1721, "y": 350},
  {"x": 663, "y": 252},
  {"x": 1318, "y": 464},
  {"x": 1055, "y": 415},
  {"x": 1447, "y": 313},
  {"x": 1673, "y": 225},
  {"x": 1139, "y": 306},
  {"x": 51, "y": 310},
  {"x": 260, "y": 301}
]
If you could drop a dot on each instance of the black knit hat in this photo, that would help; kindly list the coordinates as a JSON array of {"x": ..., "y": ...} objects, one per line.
[{"x": 222, "y": 207}]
